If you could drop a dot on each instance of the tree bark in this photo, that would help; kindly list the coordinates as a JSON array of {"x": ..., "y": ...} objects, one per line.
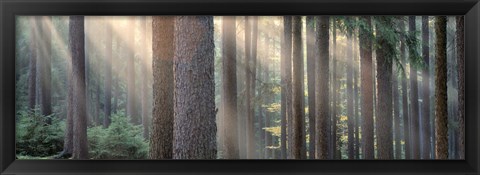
[
  {"x": 161, "y": 138},
  {"x": 298, "y": 94},
  {"x": 441, "y": 110},
  {"x": 286, "y": 62},
  {"x": 321, "y": 91},
  {"x": 406, "y": 121},
  {"x": 229, "y": 71},
  {"x": 414, "y": 95},
  {"x": 194, "y": 92},
  {"x": 311, "y": 83},
  {"x": 461, "y": 84},
  {"x": 366, "y": 67},
  {"x": 77, "y": 43},
  {"x": 350, "y": 107},
  {"x": 426, "y": 90}
]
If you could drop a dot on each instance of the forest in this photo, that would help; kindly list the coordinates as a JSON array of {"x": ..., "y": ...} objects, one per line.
[{"x": 240, "y": 87}]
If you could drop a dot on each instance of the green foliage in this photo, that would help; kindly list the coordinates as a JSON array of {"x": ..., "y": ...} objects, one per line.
[
  {"x": 35, "y": 138},
  {"x": 121, "y": 140}
]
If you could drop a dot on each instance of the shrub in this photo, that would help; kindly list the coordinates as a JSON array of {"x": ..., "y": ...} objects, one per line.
[
  {"x": 34, "y": 137},
  {"x": 121, "y": 140}
]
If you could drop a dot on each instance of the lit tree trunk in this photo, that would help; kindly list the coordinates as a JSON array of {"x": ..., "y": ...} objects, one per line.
[
  {"x": 384, "y": 90},
  {"x": 297, "y": 91},
  {"x": 321, "y": 91},
  {"x": 396, "y": 112},
  {"x": 229, "y": 71},
  {"x": 131, "y": 97},
  {"x": 350, "y": 114},
  {"x": 414, "y": 95},
  {"x": 356, "y": 96},
  {"x": 461, "y": 85},
  {"x": 426, "y": 90},
  {"x": 406, "y": 121},
  {"x": 145, "y": 72},
  {"x": 76, "y": 44},
  {"x": 366, "y": 67},
  {"x": 108, "y": 74},
  {"x": 45, "y": 68},
  {"x": 32, "y": 76},
  {"x": 253, "y": 84},
  {"x": 248, "y": 84},
  {"x": 441, "y": 112},
  {"x": 161, "y": 138},
  {"x": 311, "y": 84},
  {"x": 194, "y": 94},
  {"x": 286, "y": 62}
]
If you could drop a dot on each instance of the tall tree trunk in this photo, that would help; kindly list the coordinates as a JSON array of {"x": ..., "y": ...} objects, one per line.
[
  {"x": 333, "y": 142},
  {"x": 414, "y": 95},
  {"x": 321, "y": 91},
  {"x": 131, "y": 97},
  {"x": 77, "y": 43},
  {"x": 268, "y": 101},
  {"x": 426, "y": 90},
  {"x": 252, "y": 88},
  {"x": 356, "y": 96},
  {"x": 297, "y": 91},
  {"x": 311, "y": 83},
  {"x": 350, "y": 114},
  {"x": 45, "y": 74},
  {"x": 248, "y": 84},
  {"x": 384, "y": 87},
  {"x": 461, "y": 85},
  {"x": 286, "y": 62},
  {"x": 32, "y": 76},
  {"x": 366, "y": 67},
  {"x": 145, "y": 71},
  {"x": 194, "y": 96},
  {"x": 108, "y": 74},
  {"x": 396, "y": 112},
  {"x": 161, "y": 138},
  {"x": 406, "y": 121},
  {"x": 441, "y": 110},
  {"x": 229, "y": 71}
]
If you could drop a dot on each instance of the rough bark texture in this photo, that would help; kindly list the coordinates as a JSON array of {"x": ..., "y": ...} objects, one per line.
[
  {"x": 414, "y": 96},
  {"x": 77, "y": 43},
  {"x": 311, "y": 84},
  {"x": 108, "y": 74},
  {"x": 194, "y": 95},
  {"x": 161, "y": 138},
  {"x": 297, "y": 91},
  {"x": 321, "y": 91},
  {"x": 384, "y": 90},
  {"x": 131, "y": 96},
  {"x": 45, "y": 68},
  {"x": 461, "y": 85},
  {"x": 426, "y": 91},
  {"x": 366, "y": 67},
  {"x": 350, "y": 114},
  {"x": 441, "y": 112},
  {"x": 406, "y": 121},
  {"x": 145, "y": 61},
  {"x": 286, "y": 62},
  {"x": 32, "y": 72},
  {"x": 229, "y": 71}
]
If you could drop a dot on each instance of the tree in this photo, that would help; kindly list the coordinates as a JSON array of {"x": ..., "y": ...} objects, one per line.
[
  {"x": 145, "y": 71},
  {"x": 297, "y": 91},
  {"x": 194, "y": 94},
  {"x": 131, "y": 97},
  {"x": 76, "y": 44},
  {"x": 32, "y": 75},
  {"x": 414, "y": 93},
  {"x": 350, "y": 107},
  {"x": 406, "y": 121},
  {"x": 426, "y": 90},
  {"x": 383, "y": 109},
  {"x": 229, "y": 71},
  {"x": 333, "y": 141},
  {"x": 286, "y": 85},
  {"x": 108, "y": 74},
  {"x": 461, "y": 85},
  {"x": 45, "y": 68},
  {"x": 161, "y": 138},
  {"x": 366, "y": 65},
  {"x": 321, "y": 91},
  {"x": 441, "y": 120},
  {"x": 311, "y": 83}
]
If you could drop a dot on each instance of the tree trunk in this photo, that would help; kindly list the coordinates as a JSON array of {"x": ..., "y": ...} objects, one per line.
[
  {"x": 414, "y": 95},
  {"x": 229, "y": 71},
  {"x": 145, "y": 71},
  {"x": 333, "y": 142},
  {"x": 406, "y": 121},
  {"x": 366, "y": 67},
  {"x": 194, "y": 95},
  {"x": 253, "y": 84},
  {"x": 77, "y": 43},
  {"x": 396, "y": 112},
  {"x": 426, "y": 90},
  {"x": 441, "y": 112},
  {"x": 45, "y": 74},
  {"x": 161, "y": 138},
  {"x": 321, "y": 91},
  {"x": 350, "y": 114},
  {"x": 32, "y": 76},
  {"x": 108, "y": 74},
  {"x": 131, "y": 96},
  {"x": 298, "y": 94},
  {"x": 384, "y": 90},
  {"x": 461, "y": 85},
  {"x": 311, "y": 83},
  {"x": 248, "y": 84},
  {"x": 356, "y": 96},
  {"x": 286, "y": 74}
]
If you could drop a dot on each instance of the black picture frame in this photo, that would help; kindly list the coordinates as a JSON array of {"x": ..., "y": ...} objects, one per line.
[{"x": 10, "y": 8}]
